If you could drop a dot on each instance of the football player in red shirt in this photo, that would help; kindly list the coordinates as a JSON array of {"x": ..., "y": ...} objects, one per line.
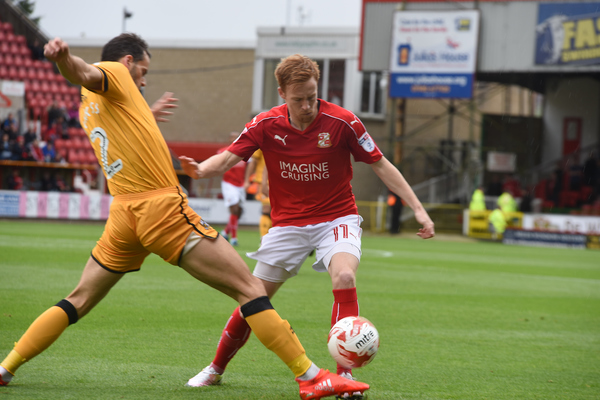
[
  {"x": 307, "y": 144},
  {"x": 234, "y": 194}
]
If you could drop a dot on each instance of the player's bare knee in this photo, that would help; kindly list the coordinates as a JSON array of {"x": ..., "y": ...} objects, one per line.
[{"x": 344, "y": 279}]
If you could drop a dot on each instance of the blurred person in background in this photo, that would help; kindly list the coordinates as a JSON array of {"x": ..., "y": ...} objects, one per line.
[
  {"x": 6, "y": 146},
  {"x": 255, "y": 177},
  {"x": 234, "y": 194}
]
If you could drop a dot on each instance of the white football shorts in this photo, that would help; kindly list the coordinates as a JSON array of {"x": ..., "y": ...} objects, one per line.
[
  {"x": 283, "y": 250},
  {"x": 232, "y": 194}
]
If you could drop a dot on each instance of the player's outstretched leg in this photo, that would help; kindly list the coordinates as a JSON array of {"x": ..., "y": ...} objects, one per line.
[
  {"x": 234, "y": 336},
  {"x": 40, "y": 335}
]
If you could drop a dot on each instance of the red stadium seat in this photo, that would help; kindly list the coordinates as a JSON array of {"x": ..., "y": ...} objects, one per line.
[
  {"x": 91, "y": 157},
  {"x": 59, "y": 144},
  {"x": 67, "y": 144},
  {"x": 75, "y": 91},
  {"x": 40, "y": 74},
  {"x": 22, "y": 73},
  {"x": 45, "y": 87},
  {"x": 31, "y": 74},
  {"x": 35, "y": 88},
  {"x": 53, "y": 88},
  {"x": 14, "y": 48},
  {"x": 25, "y": 52},
  {"x": 77, "y": 142},
  {"x": 4, "y": 47},
  {"x": 74, "y": 157},
  {"x": 12, "y": 73},
  {"x": 72, "y": 132},
  {"x": 3, "y": 72},
  {"x": 7, "y": 27}
]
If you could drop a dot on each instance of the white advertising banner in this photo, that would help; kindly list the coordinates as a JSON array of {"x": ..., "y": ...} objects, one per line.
[
  {"x": 76, "y": 206},
  {"x": 434, "y": 53},
  {"x": 562, "y": 223}
]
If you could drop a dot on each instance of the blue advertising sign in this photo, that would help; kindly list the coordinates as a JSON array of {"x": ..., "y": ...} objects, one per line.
[
  {"x": 568, "y": 34},
  {"x": 434, "y": 53},
  {"x": 9, "y": 203}
]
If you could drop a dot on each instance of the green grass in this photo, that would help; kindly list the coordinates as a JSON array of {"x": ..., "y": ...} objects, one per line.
[{"x": 458, "y": 320}]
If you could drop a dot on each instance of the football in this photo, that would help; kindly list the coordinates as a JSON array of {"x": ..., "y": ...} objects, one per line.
[{"x": 353, "y": 342}]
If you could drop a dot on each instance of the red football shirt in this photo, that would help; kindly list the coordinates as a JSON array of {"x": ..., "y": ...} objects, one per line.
[
  {"x": 236, "y": 174},
  {"x": 309, "y": 171}
]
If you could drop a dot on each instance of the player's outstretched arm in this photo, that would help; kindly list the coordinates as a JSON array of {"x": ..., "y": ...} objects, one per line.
[
  {"x": 394, "y": 180},
  {"x": 161, "y": 106},
  {"x": 73, "y": 68},
  {"x": 213, "y": 166}
]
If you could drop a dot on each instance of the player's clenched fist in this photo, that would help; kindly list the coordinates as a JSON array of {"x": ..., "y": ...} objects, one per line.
[{"x": 56, "y": 49}]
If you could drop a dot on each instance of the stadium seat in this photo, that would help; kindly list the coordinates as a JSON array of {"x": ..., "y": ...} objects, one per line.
[
  {"x": 14, "y": 48},
  {"x": 74, "y": 156},
  {"x": 4, "y": 47},
  {"x": 75, "y": 91},
  {"x": 586, "y": 193},
  {"x": 77, "y": 143},
  {"x": 31, "y": 75},
  {"x": 25, "y": 52},
  {"x": 22, "y": 73},
  {"x": 59, "y": 144},
  {"x": 40, "y": 74},
  {"x": 53, "y": 88},
  {"x": 3, "y": 72},
  {"x": 568, "y": 198},
  {"x": 67, "y": 144},
  {"x": 45, "y": 87},
  {"x": 7, "y": 28},
  {"x": 12, "y": 73},
  {"x": 90, "y": 157}
]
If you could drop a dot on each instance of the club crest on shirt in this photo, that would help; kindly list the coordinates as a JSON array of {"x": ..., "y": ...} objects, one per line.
[
  {"x": 324, "y": 140},
  {"x": 204, "y": 224},
  {"x": 366, "y": 143}
]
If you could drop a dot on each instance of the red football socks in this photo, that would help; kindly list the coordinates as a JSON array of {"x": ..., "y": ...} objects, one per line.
[{"x": 234, "y": 336}]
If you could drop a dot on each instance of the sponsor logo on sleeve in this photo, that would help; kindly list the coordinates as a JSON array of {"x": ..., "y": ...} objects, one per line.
[{"x": 366, "y": 143}]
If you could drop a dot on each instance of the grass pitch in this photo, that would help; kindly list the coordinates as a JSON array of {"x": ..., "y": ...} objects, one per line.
[{"x": 458, "y": 320}]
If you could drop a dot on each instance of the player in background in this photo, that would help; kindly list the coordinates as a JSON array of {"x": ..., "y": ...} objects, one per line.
[
  {"x": 307, "y": 145},
  {"x": 254, "y": 176},
  {"x": 150, "y": 214},
  {"x": 234, "y": 194}
]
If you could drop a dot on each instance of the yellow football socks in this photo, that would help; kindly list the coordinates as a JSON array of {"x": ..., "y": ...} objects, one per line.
[
  {"x": 40, "y": 335},
  {"x": 278, "y": 336},
  {"x": 12, "y": 362}
]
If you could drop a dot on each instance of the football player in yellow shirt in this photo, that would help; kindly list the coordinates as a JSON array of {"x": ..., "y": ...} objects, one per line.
[
  {"x": 150, "y": 214},
  {"x": 256, "y": 174}
]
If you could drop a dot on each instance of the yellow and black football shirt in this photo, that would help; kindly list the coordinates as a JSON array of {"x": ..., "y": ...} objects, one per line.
[{"x": 126, "y": 139}]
